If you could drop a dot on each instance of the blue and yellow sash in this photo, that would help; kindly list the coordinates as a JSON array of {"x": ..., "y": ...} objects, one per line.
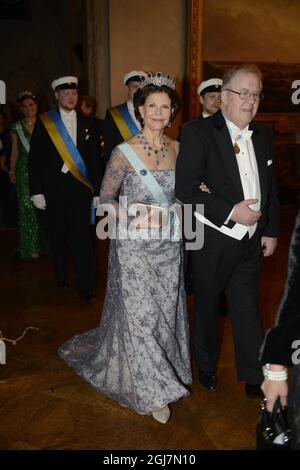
[
  {"x": 124, "y": 121},
  {"x": 65, "y": 146}
]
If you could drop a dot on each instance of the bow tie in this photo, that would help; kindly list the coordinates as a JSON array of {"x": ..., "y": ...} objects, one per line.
[{"x": 238, "y": 135}]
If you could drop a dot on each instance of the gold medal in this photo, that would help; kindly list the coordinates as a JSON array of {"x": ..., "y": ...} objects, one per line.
[{"x": 236, "y": 148}]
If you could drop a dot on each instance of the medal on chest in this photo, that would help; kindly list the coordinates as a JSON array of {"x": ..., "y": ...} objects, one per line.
[{"x": 236, "y": 148}]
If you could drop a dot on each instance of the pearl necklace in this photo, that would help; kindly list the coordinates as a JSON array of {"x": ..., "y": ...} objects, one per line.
[{"x": 152, "y": 152}]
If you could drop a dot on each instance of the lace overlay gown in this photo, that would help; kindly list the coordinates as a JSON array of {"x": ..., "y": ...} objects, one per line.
[{"x": 139, "y": 355}]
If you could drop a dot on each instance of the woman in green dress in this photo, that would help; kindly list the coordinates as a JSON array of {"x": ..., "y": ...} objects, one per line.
[{"x": 30, "y": 237}]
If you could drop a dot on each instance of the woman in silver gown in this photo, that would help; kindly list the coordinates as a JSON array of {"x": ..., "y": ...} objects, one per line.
[{"x": 139, "y": 355}]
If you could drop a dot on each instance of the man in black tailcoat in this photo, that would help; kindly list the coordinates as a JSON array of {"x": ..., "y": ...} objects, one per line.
[
  {"x": 65, "y": 174},
  {"x": 234, "y": 158},
  {"x": 120, "y": 122}
]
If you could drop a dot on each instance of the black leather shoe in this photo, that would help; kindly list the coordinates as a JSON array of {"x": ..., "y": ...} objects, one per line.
[
  {"x": 62, "y": 284},
  {"x": 208, "y": 380},
  {"x": 254, "y": 392},
  {"x": 87, "y": 295}
]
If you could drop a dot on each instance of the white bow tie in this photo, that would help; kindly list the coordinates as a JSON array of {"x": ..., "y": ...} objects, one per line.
[{"x": 238, "y": 135}]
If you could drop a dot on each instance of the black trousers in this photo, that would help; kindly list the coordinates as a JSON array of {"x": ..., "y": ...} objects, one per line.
[
  {"x": 68, "y": 212},
  {"x": 225, "y": 264}
]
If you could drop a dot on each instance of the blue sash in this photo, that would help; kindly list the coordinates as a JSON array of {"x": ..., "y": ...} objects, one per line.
[
  {"x": 67, "y": 149},
  {"x": 123, "y": 110},
  {"x": 153, "y": 186},
  {"x": 73, "y": 152}
]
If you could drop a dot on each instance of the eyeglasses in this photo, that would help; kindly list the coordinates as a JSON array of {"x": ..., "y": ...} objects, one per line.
[{"x": 246, "y": 95}]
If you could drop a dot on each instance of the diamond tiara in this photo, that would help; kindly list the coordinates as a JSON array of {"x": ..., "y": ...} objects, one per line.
[
  {"x": 28, "y": 93},
  {"x": 158, "y": 80}
]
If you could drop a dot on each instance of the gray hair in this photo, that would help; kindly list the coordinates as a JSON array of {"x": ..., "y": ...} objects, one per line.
[{"x": 247, "y": 68}]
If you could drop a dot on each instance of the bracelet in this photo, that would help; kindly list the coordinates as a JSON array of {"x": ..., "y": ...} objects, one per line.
[{"x": 271, "y": 375}]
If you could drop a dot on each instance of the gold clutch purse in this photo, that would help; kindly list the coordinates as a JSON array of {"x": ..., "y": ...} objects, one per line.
[{"x": 149, "y": 215}]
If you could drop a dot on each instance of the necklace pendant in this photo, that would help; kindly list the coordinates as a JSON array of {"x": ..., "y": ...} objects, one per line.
[{"x": 236, "y": 148}]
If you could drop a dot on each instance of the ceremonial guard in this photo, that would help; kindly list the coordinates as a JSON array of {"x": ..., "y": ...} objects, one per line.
[
  {"x": 209, "y": 92},
  {"x": 120, "y": 122},
  {"x": 65, "y": 175}
]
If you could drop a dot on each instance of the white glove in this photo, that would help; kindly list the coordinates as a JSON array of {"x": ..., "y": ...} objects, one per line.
[
  {"x": 96, "y": 202},
  {"x": 39, "y": 201}
]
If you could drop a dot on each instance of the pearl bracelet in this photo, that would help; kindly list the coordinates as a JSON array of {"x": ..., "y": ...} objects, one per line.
[{"x": 271, "y": 375}]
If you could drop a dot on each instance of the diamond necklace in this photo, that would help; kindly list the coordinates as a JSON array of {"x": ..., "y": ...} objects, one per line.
[{"x": 152, "y": 152}]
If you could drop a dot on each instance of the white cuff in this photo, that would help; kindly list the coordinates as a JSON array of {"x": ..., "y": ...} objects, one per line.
[
  {"x": 228, "y": 218},
  {"x": 96, "y": 201},
  {"x": 64, "y": 168}
]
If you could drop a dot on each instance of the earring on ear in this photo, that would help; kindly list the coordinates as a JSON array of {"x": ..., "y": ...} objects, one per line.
[
  {"x": 142, "y": 121},
  {"x": 169, "y": 124}
]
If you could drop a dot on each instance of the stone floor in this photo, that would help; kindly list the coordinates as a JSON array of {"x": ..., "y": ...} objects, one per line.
[{"x": 45, "y": 405}]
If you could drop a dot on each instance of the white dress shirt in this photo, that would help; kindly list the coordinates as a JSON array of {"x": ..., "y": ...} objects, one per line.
[
  {"x": 69, "y": 118},
  {"x": 247, "y": 166},
  {"x": 131, "y": 112}
]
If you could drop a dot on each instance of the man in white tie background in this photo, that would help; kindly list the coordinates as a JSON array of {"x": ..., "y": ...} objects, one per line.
[
  {"x": 112, "y": 129},
  {"x": 209, "y": 92},
  {"x": 233, "y": 157}
]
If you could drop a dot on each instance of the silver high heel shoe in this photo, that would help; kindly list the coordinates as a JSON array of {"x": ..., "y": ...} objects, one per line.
[{"x": 162, "y": 415}]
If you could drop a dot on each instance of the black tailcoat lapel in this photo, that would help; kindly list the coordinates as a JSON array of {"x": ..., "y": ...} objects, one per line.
[
  {"x": 81, "y": 132},
  {"x": 85, "y": 133},
  {"x": 223, "y": 140}
]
